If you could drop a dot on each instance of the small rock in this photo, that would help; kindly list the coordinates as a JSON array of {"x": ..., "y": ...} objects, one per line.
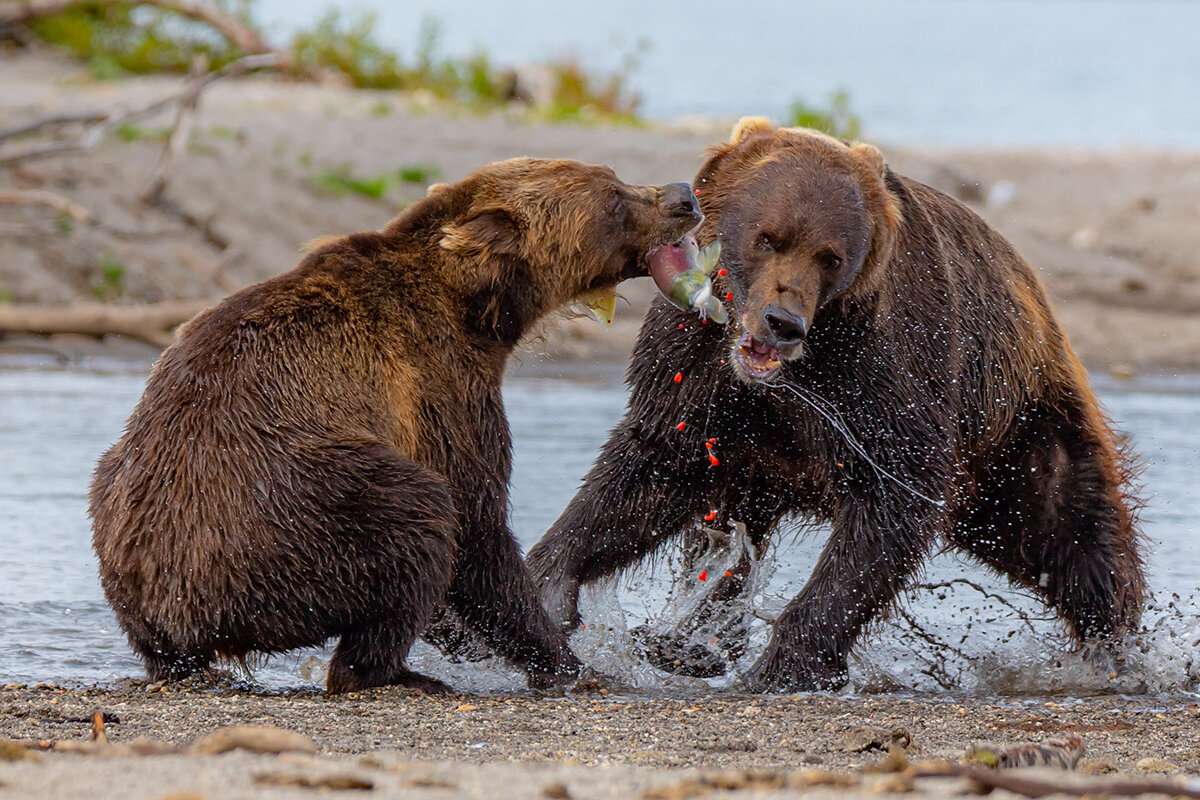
[
  {"x": 679, "y": 790},
  {"x": 556, "y": 791},
  {"x": 870, "y": 737},
  {"x": 1145, "y": 203},
  {"x": 1155, "y": 765},
  {"x": 1096, "y": 766},
  {"x": 254, "y": 739},
  {"x": 15, "y": 751},
  {"x": 896, "y": 783},
  {"x": 812, "y": 758},
  {"x": 807, "y": 778},
  {"x": 335, "y": 781}
]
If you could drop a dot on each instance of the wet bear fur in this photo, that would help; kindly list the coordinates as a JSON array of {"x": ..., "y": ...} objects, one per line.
[
  {"x": 863, "y": 301},
  {"x": 326, "y": 454}
]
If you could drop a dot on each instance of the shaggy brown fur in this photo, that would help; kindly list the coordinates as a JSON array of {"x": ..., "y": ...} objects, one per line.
[
  {"x": 326, "y": 454},
  {"x": 866, "y": 301}
]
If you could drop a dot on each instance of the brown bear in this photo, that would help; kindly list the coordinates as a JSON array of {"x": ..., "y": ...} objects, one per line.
[
  {"x": 892, "y": 368},
  {"x": 326, "y": 454}
]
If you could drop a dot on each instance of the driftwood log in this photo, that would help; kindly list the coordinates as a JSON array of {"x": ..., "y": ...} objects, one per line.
[{"x": 154, "y": 323}]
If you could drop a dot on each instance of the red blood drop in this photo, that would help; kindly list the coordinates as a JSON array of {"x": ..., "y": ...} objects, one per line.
[
  {"x": 713, "y": 460},
  {"x": 680, "y": 426},
  {"x": 679, "y": 377},
  {"x": 708, "y": 445},
  {"x": 697, "y": 193},
  {"x": 728, "y": 574},
  {"x": 729, "y": 297},
  {"x": 722, "y": 272},
  {"x": 681, "y": 325},
  {"x": 703, "y": 575},
  {"x": 710, "y": 516},
  {"x": 712, "y": 440}
]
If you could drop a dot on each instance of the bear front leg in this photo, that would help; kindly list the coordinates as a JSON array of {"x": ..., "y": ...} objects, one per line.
[
  {"x": 638, "y": 494},
  {"x": 493, "y": 593},
  {"x": 878, "y": 542}
]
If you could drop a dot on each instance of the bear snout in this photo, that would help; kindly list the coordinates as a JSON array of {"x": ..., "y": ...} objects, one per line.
[
  {"x": 678, "y": 200},
  {"x": 787, "y": 329}
]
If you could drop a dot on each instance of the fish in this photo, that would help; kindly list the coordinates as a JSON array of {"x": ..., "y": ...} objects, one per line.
[{"x": 682, "y": 274}]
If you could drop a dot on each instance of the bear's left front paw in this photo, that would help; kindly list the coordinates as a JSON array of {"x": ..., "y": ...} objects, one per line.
[{"x": 771, "y": 676}]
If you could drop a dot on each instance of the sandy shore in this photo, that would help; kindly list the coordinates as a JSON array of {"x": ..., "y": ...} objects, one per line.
[
  {"x": 1114, "y": 233},
  {"x": 521, "y": 745}
]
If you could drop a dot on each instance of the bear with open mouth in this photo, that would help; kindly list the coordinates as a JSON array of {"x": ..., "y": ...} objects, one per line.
[
  {"x": 326, "y": 454},
  {"x": 892, "y": 368}
]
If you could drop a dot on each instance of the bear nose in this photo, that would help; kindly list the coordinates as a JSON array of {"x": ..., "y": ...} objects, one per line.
[
  {"x": 678, "y": 199},
  {"x": 786, "y": 327}
]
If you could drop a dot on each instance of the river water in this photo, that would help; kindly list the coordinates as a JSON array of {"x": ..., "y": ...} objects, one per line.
[
  {"x": 962, "y": 72},
  {"x": 55, "y": 626}
]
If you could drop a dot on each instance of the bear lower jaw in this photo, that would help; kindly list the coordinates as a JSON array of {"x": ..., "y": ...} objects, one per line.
[{"x": 754, "y": 361}]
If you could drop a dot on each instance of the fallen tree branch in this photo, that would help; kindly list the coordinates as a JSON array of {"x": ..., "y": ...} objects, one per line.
[
  {"x": 95, "y": 131},
  {"x": 154, "y": 323},
  {"x": 180, "y": 131},
  {"x": 234, "y": 30},
  {"x": 42, "y": 197},
  {"x": 1040, "y": 784},
  {"x": 56, "y": 121}
]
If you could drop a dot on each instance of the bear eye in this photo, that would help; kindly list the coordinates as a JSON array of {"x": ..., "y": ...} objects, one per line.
[
  {"x": 830, "y": 261},
  {"x": 764, "y": 241}
]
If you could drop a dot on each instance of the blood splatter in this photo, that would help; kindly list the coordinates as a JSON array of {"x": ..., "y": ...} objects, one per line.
[
  {"x": 703, "y": 575},
  {"x": 679, "y": 377}
]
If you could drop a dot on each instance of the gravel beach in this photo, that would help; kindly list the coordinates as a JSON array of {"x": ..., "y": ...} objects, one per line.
[{"x": 609, "y": 745}]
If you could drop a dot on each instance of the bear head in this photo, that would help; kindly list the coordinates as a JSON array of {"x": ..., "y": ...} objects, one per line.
[
  {"x": 526, "y": 236},
  {"x": 804, "y": 220}
]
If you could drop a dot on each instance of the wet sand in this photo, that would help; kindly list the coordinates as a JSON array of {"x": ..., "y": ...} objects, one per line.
[{"x": 610, "y": 745}]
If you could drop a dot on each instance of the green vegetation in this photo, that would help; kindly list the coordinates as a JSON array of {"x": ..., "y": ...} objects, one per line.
[
  {"x": 65, "y": 224},
  {"x": 129, "y": 132},
  {"x": 122, "y": 39},
  {"x": 342, "y": 179},
  {"x": 836, "y": 118},
  {"x": 118, "y": 40},
  {"x": 6, "y": 296},
  {"x": 111, "y": 283},
  {"x": 418, "y": 173}
]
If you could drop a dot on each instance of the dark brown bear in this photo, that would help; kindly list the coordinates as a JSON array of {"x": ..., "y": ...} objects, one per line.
[
  {"x": 326, "y": 454},
  {"x": 891, "y": 368}
]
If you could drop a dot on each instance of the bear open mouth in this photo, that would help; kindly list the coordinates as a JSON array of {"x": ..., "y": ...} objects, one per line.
[{"x": 757, "y": 360}]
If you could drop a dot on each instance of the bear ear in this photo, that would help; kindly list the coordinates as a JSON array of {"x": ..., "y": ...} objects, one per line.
[
  {"x": 869, "y": 156},
  {"x": 488, "y": 232},
  {"x": 747, "y": 127},
  {"x": 434, "y": 188}
]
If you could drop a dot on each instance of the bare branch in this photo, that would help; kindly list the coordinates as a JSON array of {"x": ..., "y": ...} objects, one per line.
[
  {"x": 93, "y": 134},
  {"x": 154, "y": 323},
  {"x": 41, "y": 197},
  {"x": 157, "y": 181},
  {"x": 52, "y": 122}
]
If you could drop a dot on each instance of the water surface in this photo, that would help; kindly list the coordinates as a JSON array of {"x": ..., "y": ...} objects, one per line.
[{"x": 55, "y": 626}]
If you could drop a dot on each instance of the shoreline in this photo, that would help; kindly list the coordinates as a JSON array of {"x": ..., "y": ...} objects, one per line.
[
  {"x": 597, "y": 745},
  {"x": 1114, "y": 233}
]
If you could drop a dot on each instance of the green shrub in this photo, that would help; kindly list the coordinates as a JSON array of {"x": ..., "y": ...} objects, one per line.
[{"x": 836, "y": 118}]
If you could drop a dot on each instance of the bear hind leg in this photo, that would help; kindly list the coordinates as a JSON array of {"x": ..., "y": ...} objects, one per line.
[{"x": 1052, "y": 512}]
